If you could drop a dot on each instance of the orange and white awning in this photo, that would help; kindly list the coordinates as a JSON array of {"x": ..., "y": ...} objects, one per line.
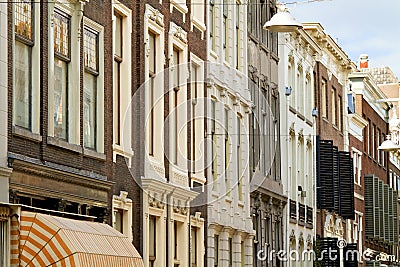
[{"x": 47, "y": 240}]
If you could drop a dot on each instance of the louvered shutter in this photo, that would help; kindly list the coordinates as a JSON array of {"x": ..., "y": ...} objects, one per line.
[
  {"x": 395, "y": 219},
  {"x": 325, "y": 187},
  {"x": 346, "y": 186},
  {"x": 326, "y": 245},
  {"x": 391, "y": 232},
  {"x": 370, "y": 183},
  {"x": 350, "y": 253},
  {"x": 336, "y": 183},
  {"x": 386, "y": 212},
  {"x": 380, "y": 211}
]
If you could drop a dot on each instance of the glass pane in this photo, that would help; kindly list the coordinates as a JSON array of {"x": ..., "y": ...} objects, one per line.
[
  {"x": 23, "y": 18},
  {"x": 61, "y": 33},
  {"x": 152, "y": 236},
  {"x": 176, "y": 70},
  {"x": 116, "y": 85},
  {"x": 22, "y": 85},
  {"x": 152, "y": 58},
  {"x": 60, "y": 99},
  {"x": 118, "y": 35},
  {"x": 89, "y": 110},
  {"x": 119, "y": 221},
  {"x": 90, "y": 49},
  {"x": 194, "y": 245}
]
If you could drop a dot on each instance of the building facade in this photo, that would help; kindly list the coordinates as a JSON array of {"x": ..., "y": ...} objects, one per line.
[
  {"x": 335, "y": 185},
  {"x": 167, "y": 80},
  {"x": 268, "y": 200},
  {"x": 229, "y": 226},
  {"x": 297, "y": 53}
]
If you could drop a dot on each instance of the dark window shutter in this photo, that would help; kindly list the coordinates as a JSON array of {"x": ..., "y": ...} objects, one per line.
[
  {"x": 386, "y": 212},
  {"x": 350, "y": 254},
  {"x": 325, "y": 193},
  {"x": 346, "y": 186},
  {"x": 370, "y": 182},
  {"x": 336, "y": 182},
  {"x": 381, "y": 217}
]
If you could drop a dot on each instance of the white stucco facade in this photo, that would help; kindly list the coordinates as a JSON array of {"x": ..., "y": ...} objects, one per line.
[
  {"x": 4, "y": 171},
  {"x": 230, "y": 230},
  {"x": 296, "y": 84}
]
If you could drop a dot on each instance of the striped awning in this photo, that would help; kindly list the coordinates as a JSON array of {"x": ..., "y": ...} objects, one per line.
[{"x": 47, "y": 240}]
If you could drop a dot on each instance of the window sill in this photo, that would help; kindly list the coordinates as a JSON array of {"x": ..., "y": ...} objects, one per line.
[
  {"x": 302, "y": 223},
  {"x": 240, "y": 204},
  {"x": 292, "y": 220},
  {"x": 213, "y": 54},
  {"x": 325, "y": 119},
  {"x": 64, "y": 144},
  {"x": 93, "y": 154},
  {"x": 309, "y": 225},
  {"x": 24, "y": 133},
  {"x": 309, "y": 122},
  {"x": 228, "y": 199}
]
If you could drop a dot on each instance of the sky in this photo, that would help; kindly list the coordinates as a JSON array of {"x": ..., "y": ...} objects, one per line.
[{"x": 359, "y": 26}]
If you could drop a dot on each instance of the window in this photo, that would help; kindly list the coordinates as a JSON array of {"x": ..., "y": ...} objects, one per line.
[
  {"x": 177, "y": 226},
  {"x": 373, "y": 141},
  {"x": 242, "y": 254},
  {"x": 216, "y": 250},
  {"x": 253, "y": 17},
  {"x": 333, "y": 99},
  {"x": 237, "y": 40},
  {"x": 225, "y": 28},
  {"x": 263, "y": 16},
  {"x": 378, "y": 137},
  {"x": 152, "y": 73},
  {"x": 152, "y": 239},
  {"x": 118, "y": 58},
  {"x": 176, "y": 84},
  {"x": 119, "y": 220},
  {"x": 194, "y": 95},
  {"x": 61, "y": 61},
  {"x": 24, "y": 41},
  {"x": 212, "y": 24},
  {"x": 357, "y": 166},
  {"x": 300, "y": 91},
  {"x": 324, "y": 100},
  {"x": 230, "y": 252},
  {"x": 193, "y": 243},
  {"x": 90, "y": 53},
  {"x": 309, "y": 97},
  {"x": 213, "y": 146},
  {"x": 340, "y": 113},
  {"x": 239, "y": 160},
  {"x": 226, "y": 154}
]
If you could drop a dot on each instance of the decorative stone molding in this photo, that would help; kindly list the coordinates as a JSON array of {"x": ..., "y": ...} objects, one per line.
[
  {"x": 154, "y": 15},
  {"x": 301, "y": 136},
  {"x": 178, "y": 208},
  {"x": 301, "y": 240},
  {"x": 309, "y": 242},
  {"x": 179, "y": 33},
  {"x": 155, "y": 201},
  {"x": 292, "y": 132},
  {"x": 5, "y": 213},
  {"x": 292, "y": 238}
]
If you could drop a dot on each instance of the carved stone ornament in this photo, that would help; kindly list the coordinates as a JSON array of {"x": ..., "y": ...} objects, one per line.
[
  {"x": 155, "y": 15},
  {"x": 178, "y": 208},
  {"x": 292, "y": 238},
  {"x": 5, "y": 213},
  {"x": 301, "y": 240},
  {"x": 155, "y": 201},
  {"x": 309, "y": 242},
  {"x": 179, "y": 33}
]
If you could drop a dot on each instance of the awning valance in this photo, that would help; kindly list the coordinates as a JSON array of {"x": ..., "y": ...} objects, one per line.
[{"x": 47, "y": 240}]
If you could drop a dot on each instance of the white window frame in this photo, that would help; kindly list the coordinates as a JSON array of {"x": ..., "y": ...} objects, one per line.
[
  {"x": 122, "y": 202},
  {"x": 178, "y": 40},
  {"x": 198, "y": 108},
  {"x": 124, "y": 148},
  {"x": 74, "y": 75},
  {"x": 198, "y": 17},
  {"x": 99, "y": 83},
  {"x": 359, "y": 161}
]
